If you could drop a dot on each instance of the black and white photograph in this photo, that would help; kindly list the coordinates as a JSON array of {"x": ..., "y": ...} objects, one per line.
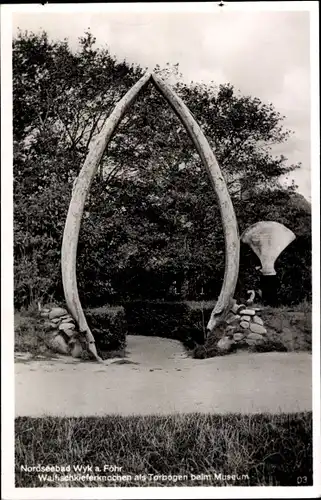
[{"x": 160, "y": 276}]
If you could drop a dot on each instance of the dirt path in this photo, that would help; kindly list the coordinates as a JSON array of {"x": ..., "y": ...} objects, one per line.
[{"x": 158, "y": 378}]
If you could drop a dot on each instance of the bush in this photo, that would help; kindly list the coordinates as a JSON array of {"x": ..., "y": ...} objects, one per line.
[
  {"x": 183, "y": 321},
  {"x": 109, "y": 327}
]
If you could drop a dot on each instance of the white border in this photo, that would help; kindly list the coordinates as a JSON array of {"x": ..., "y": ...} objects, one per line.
[
  {"x": 167, "y": 7},
  {"x": 9, "y": 491},
  {"x": 7, "y": 335},
  {"x": 315, "y": 199}
]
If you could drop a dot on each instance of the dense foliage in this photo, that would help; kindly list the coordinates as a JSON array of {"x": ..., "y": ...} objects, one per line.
[
  {"x": 109, "y": 328},
  {"x": 152, "y": 226},
  {"x": 183, "y": 321}
]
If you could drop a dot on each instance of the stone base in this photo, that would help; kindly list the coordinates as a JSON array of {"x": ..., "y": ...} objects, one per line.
[
  {"x": 242, "y": 329},
  {"x": 61, "y": 335}
]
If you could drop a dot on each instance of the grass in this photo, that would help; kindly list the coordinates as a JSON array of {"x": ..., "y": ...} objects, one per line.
[
  {"x": 292, "y": 326},
  {"x": 194, "y": 449},
  {"x": 29, "y": 332}
]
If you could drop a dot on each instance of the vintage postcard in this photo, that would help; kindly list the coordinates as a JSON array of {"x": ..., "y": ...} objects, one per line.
[{"x": 160, "y": 250}]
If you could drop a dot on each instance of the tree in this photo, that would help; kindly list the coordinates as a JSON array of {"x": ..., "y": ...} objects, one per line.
[
  {"x": 151, "y": 217},
  {"x": 58, "y": 105}
]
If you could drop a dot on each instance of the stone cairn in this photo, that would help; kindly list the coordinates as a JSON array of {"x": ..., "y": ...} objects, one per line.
[
  {"x": 244, "y": 327},
  {"x": 61, "y": 334}
]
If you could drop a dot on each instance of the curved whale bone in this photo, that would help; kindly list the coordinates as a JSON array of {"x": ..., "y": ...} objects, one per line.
[
  {"x": 80, "y": 191},
  {"x": 82, "y": 186},
  {"x": 230, "y": 228}
]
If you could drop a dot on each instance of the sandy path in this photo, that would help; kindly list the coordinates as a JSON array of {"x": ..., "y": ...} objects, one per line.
[{"x": 161, "y": 379}]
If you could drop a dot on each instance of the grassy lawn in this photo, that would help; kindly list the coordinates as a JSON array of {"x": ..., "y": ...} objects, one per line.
[
  {"x": 290, "y": 326},
  {"x": 178, "y": 450}
]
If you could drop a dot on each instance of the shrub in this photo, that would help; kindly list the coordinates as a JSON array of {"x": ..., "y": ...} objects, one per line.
[
  {"x": 183, "y": 321},
  {"x": 109, "y": 327}
]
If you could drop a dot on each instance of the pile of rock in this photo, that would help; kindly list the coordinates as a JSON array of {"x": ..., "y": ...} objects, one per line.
[
  {"x": 61, "y": 334},
  {"x": 244, "y": 327}
]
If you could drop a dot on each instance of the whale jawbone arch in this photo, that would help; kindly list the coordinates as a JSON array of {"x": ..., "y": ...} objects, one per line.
[{"x": 83, "y": 183}]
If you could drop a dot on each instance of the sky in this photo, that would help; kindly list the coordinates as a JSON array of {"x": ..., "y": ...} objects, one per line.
[{"x": 263, "y": 54}]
